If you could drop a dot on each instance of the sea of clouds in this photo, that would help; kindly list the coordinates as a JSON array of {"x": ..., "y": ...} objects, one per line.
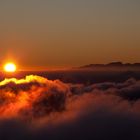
[{"x": 38, "y": 108}]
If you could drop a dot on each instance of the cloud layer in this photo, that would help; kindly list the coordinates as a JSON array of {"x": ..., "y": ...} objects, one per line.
[{"x": 38, "y": 108}]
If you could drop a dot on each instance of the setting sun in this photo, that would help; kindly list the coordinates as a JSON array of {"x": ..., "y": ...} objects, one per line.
[{"x": 10, "y": 67}]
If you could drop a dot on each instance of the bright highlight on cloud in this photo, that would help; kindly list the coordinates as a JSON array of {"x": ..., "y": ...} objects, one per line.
[{"x": 40, "y": 108}]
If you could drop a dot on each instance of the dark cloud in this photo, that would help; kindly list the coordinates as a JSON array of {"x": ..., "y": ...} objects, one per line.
[{"x": 38, "y": 108}]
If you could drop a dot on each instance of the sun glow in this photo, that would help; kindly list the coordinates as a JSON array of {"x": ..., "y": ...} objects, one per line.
[{"x": 10, "y": 67}]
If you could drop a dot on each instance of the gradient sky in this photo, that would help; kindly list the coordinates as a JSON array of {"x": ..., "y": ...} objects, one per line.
[{"x": 61, "y": 33}]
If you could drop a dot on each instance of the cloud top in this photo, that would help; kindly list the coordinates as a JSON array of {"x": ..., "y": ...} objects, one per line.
[{"x": 39, "y": 108}]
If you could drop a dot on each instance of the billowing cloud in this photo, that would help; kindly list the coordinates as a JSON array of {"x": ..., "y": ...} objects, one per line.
[{"x": 38, "y": 108}]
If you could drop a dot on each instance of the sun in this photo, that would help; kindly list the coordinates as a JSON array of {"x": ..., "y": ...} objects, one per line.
[{"x": 10, "y": 67}]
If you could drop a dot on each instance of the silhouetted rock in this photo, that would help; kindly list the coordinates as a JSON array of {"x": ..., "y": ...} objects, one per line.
[
  {"x": 112, "y": 64},
  {"x": 115, "y": 64}
]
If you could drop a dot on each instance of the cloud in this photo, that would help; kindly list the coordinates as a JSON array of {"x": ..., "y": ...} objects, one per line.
[{"x": 38, "y": 108}]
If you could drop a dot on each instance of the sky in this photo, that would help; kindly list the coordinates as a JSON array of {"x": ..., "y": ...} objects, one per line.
[{"x": 67, "y": 33}]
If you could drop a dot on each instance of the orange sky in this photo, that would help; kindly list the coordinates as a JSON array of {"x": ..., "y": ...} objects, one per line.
[{"x": 47, "y": 34}]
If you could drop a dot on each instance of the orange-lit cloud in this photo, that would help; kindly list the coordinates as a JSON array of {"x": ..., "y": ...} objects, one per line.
[{"x": 44, "y": 107}]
